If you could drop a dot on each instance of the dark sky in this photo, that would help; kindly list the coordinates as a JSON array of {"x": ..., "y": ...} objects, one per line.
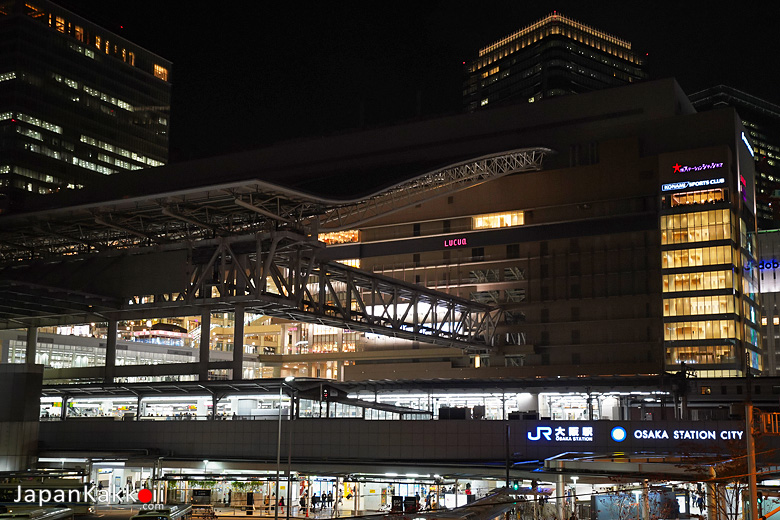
[{"x": 248, "y": 73}]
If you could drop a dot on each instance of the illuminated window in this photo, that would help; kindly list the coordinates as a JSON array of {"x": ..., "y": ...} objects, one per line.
[
  {"x": 340, "y": 237},
  {"x": 160, "y": 72},
  {"x": 33, "y": 11},
  {"x": 695, "y": 227},
  {"x": 98, "y": 41},
  {"x": 711, "y": 355},
  {"x": 59, "y": 24},
  {"x": 696, "y": 257},
  {"x": 131, "y": 58},
  {"x": 498, "y": 220},
  {"x": 710, "y": 329},
  {"x": 697, "y": 281},
  {"x": 79, "y": 33},
  {"x": 697, "y": 197},
  {"x": 698, "y": 305},
  {"x": 352, "y": 262}
]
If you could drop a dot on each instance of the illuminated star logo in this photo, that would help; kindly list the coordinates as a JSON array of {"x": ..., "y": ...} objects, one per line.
[{"x": 677, "y": 168}]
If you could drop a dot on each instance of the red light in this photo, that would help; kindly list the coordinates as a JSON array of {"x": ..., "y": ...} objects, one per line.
[
  {"x": 121, "y": 26},
  {"x": 464, "y": 62}
]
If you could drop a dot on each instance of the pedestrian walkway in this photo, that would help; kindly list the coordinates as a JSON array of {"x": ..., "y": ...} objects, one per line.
[{"x": 296, "y": 512}]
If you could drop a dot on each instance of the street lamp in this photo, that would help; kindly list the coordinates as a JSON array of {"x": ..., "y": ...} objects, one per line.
[{"x": 287, "y": 379}]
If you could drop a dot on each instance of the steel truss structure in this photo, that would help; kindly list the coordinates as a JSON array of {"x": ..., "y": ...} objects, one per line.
[
  {"x": 277, "y": 274},
  {"x": 283, "y": 278},
  {"x": 188, "y": 216},
  {"x": 250, "y": 244}
]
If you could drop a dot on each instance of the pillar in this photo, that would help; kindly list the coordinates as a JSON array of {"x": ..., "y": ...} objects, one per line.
[
  {"x": 64, "y": 409},
  {"x": 205, "y": 341},
  {"x": 4, "y": 350},
  {"x": 560, "y": 493},
  {"x": 110, "y": 370},
  {"x": 645, "y": 500},
  {"x": 32, "y": 345},
  {"x": 712, "y": 501},
  {"x": 238, "y": 344}
]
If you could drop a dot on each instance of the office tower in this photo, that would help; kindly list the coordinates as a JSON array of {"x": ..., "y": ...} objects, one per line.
[
  {"x": 554, "y": 56},
  {"x": 77, "y": 101},
  {"x": 762, "y": 121}
]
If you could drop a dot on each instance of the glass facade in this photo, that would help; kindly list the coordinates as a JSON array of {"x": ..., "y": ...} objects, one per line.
[
  {"x": 710, "y": 321},
  {"x": 78, "y": 102}
]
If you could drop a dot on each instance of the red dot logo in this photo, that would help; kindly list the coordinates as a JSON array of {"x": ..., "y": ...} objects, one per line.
[{"x": 145, "y": 496}]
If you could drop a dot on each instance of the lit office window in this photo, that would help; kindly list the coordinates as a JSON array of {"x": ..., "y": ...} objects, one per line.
[
  {"x": 340, "y": 237},
  {"x": 710, "y": 329},
  {"x": 697, "y": 197},
  {"x": 160, "y": 72},
  {"x": 710, "y": 355},
  {"x": 59, "y": 24},
  {"x": 697, "y": 281},
  {"x": 695, "y": 227},
  {"x": 697, "y": 305},
  {"x": 79, "y": 33},
  {"x": 498, "y": 220},
  {"x": 696, "y": 257}
]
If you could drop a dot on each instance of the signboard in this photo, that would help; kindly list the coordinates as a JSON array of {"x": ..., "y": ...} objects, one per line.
[{"x": 548, "y": 438}]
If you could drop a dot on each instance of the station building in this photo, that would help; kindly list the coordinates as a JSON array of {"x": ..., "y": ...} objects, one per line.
[{"x": 631, "y": 251}]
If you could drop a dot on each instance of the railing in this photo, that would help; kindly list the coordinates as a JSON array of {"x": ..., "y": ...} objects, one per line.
[{"x": 770, "y": 423}]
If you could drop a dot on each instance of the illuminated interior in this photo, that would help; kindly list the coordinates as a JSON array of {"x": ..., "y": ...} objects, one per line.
[
  {"x": 701, "y": 226},
  {"x": 696, "y": 305},
  {"x": 711, "y": 355},
  {"x": 160, "y": 72},
  {"x": 775, "y": 321},
  {"x": 696, "y": 257},
  {"x": 498, "y": 220},
  {"x": 697, "y": 281},
  {"x": 698, "y": 197},
  {"x": 340, "y": 237}
]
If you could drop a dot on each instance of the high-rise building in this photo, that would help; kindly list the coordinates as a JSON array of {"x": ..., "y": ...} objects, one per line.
[
  {"x": 76, "y": 101},
  {"x": 762, "y": 121},
  {"x": 554, "y": 56}
]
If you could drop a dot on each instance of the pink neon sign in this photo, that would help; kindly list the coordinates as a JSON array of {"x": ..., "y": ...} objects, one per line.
[{"x": 455, "y": 242}]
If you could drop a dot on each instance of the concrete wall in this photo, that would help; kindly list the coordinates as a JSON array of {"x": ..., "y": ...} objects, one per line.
[{"x": 20, "y": 385}]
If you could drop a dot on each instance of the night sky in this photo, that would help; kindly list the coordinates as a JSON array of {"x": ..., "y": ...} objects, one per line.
[{"x": 248, "y": 73}]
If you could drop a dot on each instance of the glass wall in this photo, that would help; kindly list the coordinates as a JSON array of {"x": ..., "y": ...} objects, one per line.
[
  {"x": 695, "y": 305},
  {"x": 710, "y": 329},
  {"x": 695, "y": 227},
  {"x": 697, "y": 281},
  {"x": 696, "y": 257}
]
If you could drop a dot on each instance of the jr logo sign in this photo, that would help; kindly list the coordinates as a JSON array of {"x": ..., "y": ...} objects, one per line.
[{"x": 541, "y": 431}]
